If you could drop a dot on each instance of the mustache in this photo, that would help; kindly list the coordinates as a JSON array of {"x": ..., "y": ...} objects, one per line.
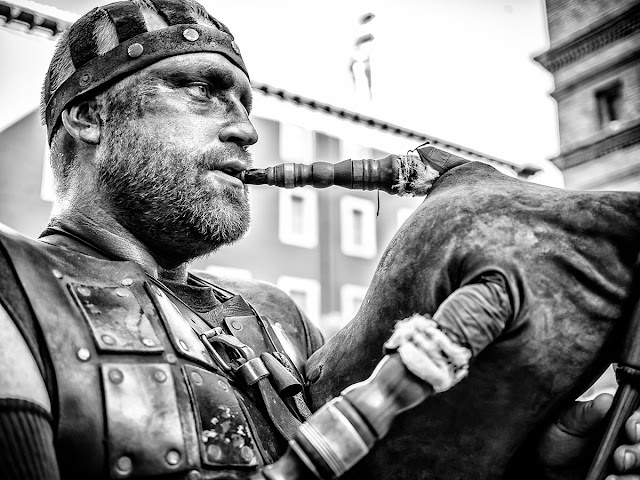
[{"x": 212, "y": 158}]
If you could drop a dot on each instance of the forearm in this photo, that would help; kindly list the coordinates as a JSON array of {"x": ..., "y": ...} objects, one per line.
[
  {"x": 477, "y": 313},
  {"x": 26, "y": 442}
]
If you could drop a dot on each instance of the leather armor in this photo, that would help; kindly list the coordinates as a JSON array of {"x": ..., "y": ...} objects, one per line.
[{"x": 139, "y": 393}]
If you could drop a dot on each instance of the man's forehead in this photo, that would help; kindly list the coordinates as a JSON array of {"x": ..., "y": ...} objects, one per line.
[{"x": 202, "y": 64}]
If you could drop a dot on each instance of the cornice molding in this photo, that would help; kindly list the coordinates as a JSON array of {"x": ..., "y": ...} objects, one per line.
[
  {"x": 608, "y": 68},
  {"x": 586, "y": 153},
  {"x": 32, "y": 18},
  {"x": 624, "y": 24}
]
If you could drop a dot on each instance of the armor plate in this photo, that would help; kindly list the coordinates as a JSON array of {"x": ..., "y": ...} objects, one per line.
[
  {"x": 116, "y": 319},
  {"x": 225, "y": 437},
  {"x": 143, "y": 424},
  {"x": 182, "y": 335}
]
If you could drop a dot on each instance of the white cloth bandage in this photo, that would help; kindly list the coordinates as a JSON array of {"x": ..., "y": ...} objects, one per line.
[{"x": 429, "y": 353}]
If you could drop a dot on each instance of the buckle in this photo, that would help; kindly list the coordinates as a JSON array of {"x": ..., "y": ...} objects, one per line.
[{"x": 231, "y": 344}]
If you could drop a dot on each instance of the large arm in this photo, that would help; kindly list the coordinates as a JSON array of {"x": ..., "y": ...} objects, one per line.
[{"x": 26, "y": 437}]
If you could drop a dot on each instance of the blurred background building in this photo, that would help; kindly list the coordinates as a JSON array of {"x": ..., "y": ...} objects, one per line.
[{"x": 594, "y": 57}]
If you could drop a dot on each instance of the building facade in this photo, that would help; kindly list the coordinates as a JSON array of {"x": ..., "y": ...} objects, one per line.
[
  {"x": 594, "y": 56},
  {"x": 320, "y": 246}
]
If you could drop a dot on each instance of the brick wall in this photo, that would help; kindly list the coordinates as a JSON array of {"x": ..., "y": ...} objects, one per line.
[
  {"x": 568, "y": 17},
  {"x": 578, "y": 110},
  {"x": 617, "y": 171}
]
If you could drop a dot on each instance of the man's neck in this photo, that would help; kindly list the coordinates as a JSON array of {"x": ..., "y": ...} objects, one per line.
[{"x": 101, "y": 230}]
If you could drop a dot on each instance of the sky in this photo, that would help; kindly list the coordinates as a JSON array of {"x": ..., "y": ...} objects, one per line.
[{"x": 460, "y": 70}]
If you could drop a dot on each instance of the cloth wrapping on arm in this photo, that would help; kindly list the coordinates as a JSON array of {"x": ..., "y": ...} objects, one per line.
[
  {"x": 429, "y": 353},
  {"x": 476, "y": 313}
]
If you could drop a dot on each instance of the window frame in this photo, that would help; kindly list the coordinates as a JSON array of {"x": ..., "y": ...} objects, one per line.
[{"x": 368, "y": 249}]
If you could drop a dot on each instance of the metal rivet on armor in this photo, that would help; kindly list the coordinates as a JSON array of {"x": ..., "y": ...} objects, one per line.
[
  {"x": 85, "y": 79},
  {"x": 84, "y": 291},
  {"x": 184, "y": 345},
  {"x": 171, "y": 358},
  {"x": 116, "y": 376},
  {"x": 278, "y": 324},
  {"x": 234, "y": 45},
  {"x": 214, "y": 452},
  {"x": 122, "y": 292},
  {"x": 135, "y": 50},
  {"x": 124, "y": 465},
  {"x": 191, "y": 34},
  {"x": 194, "y": 475},
  {"x": 108, "y": 339},
  {"x": 223, "y": 385},
  {"x": 246, "y": 453},
  {"x": 57, "y": 274},
  {"x": 173, "y": 457},
  {"x": 236, "y": 325},
  {"x": 84, "y": 354},
  {"x": 159, "y": 376},
  {"x": 127, "y": 281},
  {"x": 148, "y": 342},
  {"x": 197, "y": 378}
]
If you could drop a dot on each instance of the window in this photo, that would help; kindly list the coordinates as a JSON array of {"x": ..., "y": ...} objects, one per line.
[
  {"x": 327, "y": 148},
  {"x": 357, "y": 227},
  {"x": 355, "y": 151},
  {"x": 47, "y": 190},
  {"x": 298, "y": 217},
  {"x": 351, "y": 297},
  {"x": 296, "y": 144},
  {"x": 609, "y": 101},
  {"x": 305, "y": 292}
]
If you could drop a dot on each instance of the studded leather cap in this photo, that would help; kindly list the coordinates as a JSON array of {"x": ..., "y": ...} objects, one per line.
[{"x": 137, "y": 48}]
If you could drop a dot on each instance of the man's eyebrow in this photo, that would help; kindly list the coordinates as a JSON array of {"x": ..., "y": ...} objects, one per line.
[{"x": 217, "y": 76}]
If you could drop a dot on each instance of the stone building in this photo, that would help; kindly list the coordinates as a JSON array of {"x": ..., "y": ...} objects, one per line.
[{"x": 594, "y": 56}]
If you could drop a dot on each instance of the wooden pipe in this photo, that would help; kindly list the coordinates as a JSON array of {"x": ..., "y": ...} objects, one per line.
[
  {"x": 344, "y": 430},
  {"x": 394, "y": 174},
  {"x": 366, "y": 174}
]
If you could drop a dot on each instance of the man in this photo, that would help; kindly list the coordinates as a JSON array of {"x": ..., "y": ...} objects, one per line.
[{"x": 116, "y": 360}]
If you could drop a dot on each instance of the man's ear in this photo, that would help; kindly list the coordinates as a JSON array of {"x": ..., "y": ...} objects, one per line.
[{"x": 82, "y": 121}]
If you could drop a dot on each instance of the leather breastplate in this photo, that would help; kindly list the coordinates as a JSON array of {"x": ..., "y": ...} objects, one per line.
[{"x": 134, "y": 376}]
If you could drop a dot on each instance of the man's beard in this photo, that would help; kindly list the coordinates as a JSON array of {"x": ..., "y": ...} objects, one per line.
[{"x": 159, "y": 193}]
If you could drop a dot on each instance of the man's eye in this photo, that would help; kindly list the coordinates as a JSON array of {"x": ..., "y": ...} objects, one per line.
[{"x": 199, "y": 90}]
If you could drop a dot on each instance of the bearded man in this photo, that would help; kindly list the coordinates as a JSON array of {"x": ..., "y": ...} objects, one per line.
[{"x": 116, "y": 360}]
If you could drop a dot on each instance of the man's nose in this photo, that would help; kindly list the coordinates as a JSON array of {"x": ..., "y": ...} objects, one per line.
[{"x": 241, "y": 133}]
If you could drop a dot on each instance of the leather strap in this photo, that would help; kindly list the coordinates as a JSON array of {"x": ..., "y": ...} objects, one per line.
[{"x": 279, "y": 413}]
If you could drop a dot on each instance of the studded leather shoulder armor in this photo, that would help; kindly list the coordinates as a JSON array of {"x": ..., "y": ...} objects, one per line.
[{"x": 138, "y": 391}]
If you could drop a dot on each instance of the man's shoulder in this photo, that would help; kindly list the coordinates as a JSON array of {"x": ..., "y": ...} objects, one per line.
[
  {"x": 270, "y": 301},
  {"x": 8, "y": 234}
]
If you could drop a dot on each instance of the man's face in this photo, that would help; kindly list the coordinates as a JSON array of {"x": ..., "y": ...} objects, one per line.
[{"x": 167, "y": 149}]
